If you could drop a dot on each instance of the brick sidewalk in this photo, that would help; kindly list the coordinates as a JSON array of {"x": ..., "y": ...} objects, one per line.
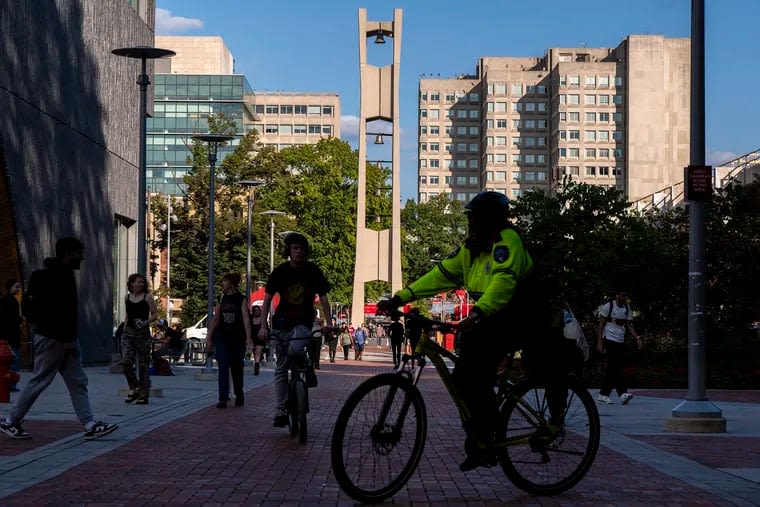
[{"x": 235, "y": 457}]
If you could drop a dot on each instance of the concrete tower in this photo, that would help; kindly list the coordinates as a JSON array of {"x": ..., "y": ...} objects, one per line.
[{"x": 378, "y": 253}]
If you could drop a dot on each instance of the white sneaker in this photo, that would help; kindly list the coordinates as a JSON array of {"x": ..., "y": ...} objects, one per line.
[
  {"x": 604, "y": 399},
  {"x": 626, "y": 398}
]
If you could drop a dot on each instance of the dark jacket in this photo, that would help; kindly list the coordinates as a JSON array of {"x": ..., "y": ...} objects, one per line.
[
  {"x": 50, "y": 302},
  {"x": 10, "y": 320}
]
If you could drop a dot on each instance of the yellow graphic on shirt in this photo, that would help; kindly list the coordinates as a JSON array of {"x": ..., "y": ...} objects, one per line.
[{"x": 295, "y": 294}]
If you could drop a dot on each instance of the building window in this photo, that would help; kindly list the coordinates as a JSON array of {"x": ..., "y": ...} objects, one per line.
[
  {"x": 516, "y": 141},
  {"x": 461, "y": 164},
  {"x": 423, "y": 113},
  {"x": 604, "y": 117},
  {"x": 461, "y": 147},
  {"x": 516, "y": 158},
  {"x": 501, "y": 141},
  {"x": 617, "y": 117},
  {"x": 590, "y": 171},
  {"x": 516, "y": 107},
  {"x": 501, "y": 158},
  {"x": 435, "y": 163},
  {"x": 590, "y": 153},
  {"x": 573, "y": 99},
  {"x": 541, "y": 90},
  {"x": 501, "y": 124},
  {"x": 474, "y": 114},
  {"x": 299, "y": 129},
  {"x": 617, "y": 99},
  {"x": 286, "y": 109},
  {"x": 423, "y": 146},
  {"x": 423, "y": 180},
  {"x": 573, "y": 152},
  {"x": 489, "y": 107},
  {"x": 500, "y": 89},
  {"x": 530, "y": 124},
  {"x": 604, "y": 100},
  {"x": 563, "y": 153},
  {"x": 474, "y": 131},
  {"x": 541, "y": 107},
  {"x": 473, "y": 163},
  {"x": 617, "y": 135},
  {"x": 435, "y": 97},
  {"x": 474, "y": 98},
  {"x": 604, "y": 153},
  {"x": 423, "y": 96},
  {"x": 618, "y": 82},
  {"x": 617, "y": 171},
  {"x": 604, "y": 81},
  {"x": 434, "y": 180},
  {"x": 540, "y": 159},
  {"x": 515, "y": 124},
  {"x": 327, "y": 110},
  {"x": 574, "y": 116},
  {"x": 562, "y": 80},
  {"x": 563, "y": 134},
  {"x": 590, "y": 117},
  {"x": 434, "y": 130},
  {"x": 433, "y": 146},
  {"x": 423, "y": 130},
  {"x": 603, "y": 135},
  {"x": 517, "y": 89},
  {"x": 573, "y": 80},
  {"x": 500, "y": 176},
  {"x": 327, "y": 129},
  {"x": 447, "y": 147},
  {"x": 590, "y": 80},
  {"x": 473, "y": 180},
  {"x": 541, "y": 141},
  {"x": 529, "y": 158},
  {"x": 562, "y": 117},
  {"x": 590, "y": 135},
  {"x": 462, "y": 114},
  {"x": 270, "y": 129},
  {"x": 589, "y": 100},
  {"x": 423, "y": 163},
  {"x": 315, "y": 129},
  {"x": 618, "y": 153},
  {"x": 474, "y": 148},
  {"x": 433, "y": 114},
  {"x": 604, "y": 171},
  {"x": 501, "y": 107},
  {"x": 272, "y": 109},
  {"x": 461, "y": 131},
  {"x": 574, "y": 135},
  {"x": 563, "y": 99}
]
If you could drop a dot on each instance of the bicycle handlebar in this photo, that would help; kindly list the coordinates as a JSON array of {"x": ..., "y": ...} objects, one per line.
[{"x": 427, "y": 323}]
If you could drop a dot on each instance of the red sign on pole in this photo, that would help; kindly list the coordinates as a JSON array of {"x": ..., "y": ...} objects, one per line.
[{"x": 698, "y": 182}]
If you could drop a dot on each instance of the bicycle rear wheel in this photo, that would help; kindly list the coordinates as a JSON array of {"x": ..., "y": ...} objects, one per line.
[
  {"x": 546, "y": 455},
  {"x": 302, "y": 403},
  {"x": 379, "y": 438}
]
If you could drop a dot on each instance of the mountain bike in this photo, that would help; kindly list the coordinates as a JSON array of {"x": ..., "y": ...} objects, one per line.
[
  {"x": 380, "y": 433},
  {"x": 301, "y": 377}
]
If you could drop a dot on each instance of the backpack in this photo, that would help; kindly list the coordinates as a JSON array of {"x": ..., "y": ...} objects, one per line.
[
  {"x": 161, "y": 367},
  {"x": 608, "y": 318}
]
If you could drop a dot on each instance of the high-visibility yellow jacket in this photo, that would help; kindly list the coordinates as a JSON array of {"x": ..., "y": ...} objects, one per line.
[{"x": 491, "y": 278}]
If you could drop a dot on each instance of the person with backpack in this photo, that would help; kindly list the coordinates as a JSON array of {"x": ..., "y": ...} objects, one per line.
[{"x": 614, "y": 319}]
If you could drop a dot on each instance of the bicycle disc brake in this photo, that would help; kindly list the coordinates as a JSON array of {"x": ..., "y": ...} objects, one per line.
[{"x": 385, "y": 439}]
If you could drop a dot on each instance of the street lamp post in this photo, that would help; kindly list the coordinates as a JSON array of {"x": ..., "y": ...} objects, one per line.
[
  {"x": 251, "y": 185},
  {"x": 143, "y": 53},
  {"x": 213, "y": 141},
  {"x": 169, "y": 219},
  {"x": 271, "y": 214}
]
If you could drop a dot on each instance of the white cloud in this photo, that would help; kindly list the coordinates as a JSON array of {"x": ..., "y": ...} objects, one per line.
[
  {"x": 168, "y": 24},
  {"x": 716, "y": 158}
]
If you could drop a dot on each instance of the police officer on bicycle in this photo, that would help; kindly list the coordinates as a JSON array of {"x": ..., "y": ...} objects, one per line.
[
  {"x": 297, "y": 281},
  {"x": 495, "y": 268}
]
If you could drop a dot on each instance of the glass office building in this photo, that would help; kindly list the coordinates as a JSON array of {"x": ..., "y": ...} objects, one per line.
[{"x": 182, "y": 105}]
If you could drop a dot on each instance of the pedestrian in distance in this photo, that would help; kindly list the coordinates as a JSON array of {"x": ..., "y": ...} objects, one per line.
[
  {"x": 258, "y": 343},
  {"x": 614, "y": 318},
  {"x": 229, "y": 334},
  {"x": 297, "y": 281},
  {"x": 396, "y": 332},
  {"x": 346, "y": 341},
  {"x": 50, "y": 304},
  {"x": 413, "y": 331},
  {"x": 10, "y": 323},
  {"x": 172, "y": 344},
  {"x": 136, "y": 338},
  {"x": 360, "y": 339},
  {"x": 332, "y": 338}
]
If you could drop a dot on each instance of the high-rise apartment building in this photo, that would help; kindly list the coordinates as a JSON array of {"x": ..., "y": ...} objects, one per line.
[
  {"x": 284, "y": 119},
  {"x": 607, "y": 116}
]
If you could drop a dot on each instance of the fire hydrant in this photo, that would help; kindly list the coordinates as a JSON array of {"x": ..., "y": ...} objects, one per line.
[{"x": 8, "y": 377}]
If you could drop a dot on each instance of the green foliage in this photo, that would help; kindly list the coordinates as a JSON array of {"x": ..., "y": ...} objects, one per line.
[{"x": 429, "y": 232}]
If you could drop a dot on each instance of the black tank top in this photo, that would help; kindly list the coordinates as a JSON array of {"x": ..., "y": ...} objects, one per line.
[
  {"x": 139, "y": 310},
  {"x": 231, "y": 316}
]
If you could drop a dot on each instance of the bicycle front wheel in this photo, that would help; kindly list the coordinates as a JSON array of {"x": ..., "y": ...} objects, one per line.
[
  {"x": 378, "y": 438},
  {"x": 545, "y": 453},
  {"x": 302, "y": 402},
  {"x": 293, "y": 418}
]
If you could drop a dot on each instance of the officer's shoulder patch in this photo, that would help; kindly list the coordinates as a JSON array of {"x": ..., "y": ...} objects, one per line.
[
  {"x": 453, "y": 253},
  {"x": 500, "y": 253}
]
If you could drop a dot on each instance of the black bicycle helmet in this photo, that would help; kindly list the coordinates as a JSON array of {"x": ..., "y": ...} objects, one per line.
[
  {"x": 489, "y": 204},
  {"x": 296, "y": 238}
]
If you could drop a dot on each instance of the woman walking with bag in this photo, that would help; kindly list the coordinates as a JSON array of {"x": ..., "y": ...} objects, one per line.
[
  {"x": 135, "y": 340},
  {"x": 229, "y": 333},
  {"x": 346, "y": 341}
]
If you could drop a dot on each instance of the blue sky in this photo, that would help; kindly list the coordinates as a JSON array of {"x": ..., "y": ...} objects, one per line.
[{"x": 303, "y": 45}]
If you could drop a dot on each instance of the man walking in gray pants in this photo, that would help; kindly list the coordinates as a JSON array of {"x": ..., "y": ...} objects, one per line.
[{"x": 50, "y": 303}]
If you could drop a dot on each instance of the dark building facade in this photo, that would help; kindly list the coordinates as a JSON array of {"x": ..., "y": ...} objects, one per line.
[{"x": 69, "y": 146}]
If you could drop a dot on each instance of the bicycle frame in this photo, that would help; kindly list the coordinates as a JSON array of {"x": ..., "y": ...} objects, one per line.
[{"x": 427, "y": 347}]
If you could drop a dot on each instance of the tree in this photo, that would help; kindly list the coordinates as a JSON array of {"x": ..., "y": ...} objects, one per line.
[{"x": 430, "y": 231}]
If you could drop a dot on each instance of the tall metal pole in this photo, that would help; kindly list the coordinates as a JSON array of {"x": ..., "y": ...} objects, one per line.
[
  {"x": 271, "y": 244},
  {"x": 168, "y": 258},
  {"x": 213, "y": 141},
  {"x": 143, "y": 53},
  {"x": 697, "y": 413},
  {"x": 251, "y": 185}
]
